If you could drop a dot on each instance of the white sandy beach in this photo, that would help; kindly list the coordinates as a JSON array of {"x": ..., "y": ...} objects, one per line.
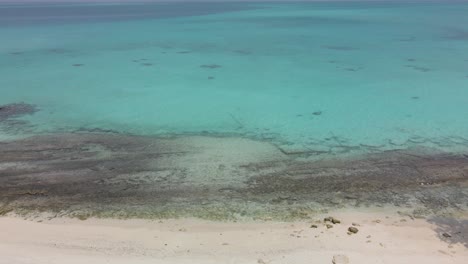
[{"x": 382, "y": 238}]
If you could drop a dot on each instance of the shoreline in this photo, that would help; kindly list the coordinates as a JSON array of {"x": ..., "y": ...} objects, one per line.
[{"x": 383, "y": 237}]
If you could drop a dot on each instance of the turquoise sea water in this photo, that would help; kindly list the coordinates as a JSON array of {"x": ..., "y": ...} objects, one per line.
[{"x": 307, "y": 76}]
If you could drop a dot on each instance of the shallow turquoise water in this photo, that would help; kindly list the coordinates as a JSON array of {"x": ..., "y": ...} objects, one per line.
[{"x": 315, "y": 76}]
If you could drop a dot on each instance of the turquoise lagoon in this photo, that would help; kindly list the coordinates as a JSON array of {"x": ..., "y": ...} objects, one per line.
[{"x": 305, "y": 76}]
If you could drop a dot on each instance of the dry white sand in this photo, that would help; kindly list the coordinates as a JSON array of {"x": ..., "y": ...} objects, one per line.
[{"x": 382, "y": 238}]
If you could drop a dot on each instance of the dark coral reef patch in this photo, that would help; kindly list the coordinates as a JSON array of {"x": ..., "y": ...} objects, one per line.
[{"x": 15, "y": 110}]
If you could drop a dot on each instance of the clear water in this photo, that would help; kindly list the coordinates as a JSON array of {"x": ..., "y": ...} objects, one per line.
[{"x": 313, "y": 76}]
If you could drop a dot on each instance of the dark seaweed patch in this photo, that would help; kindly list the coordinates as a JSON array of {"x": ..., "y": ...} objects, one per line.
[
  {"x": 341, "y": 48},
  {"x": 77, "y": 65},
  {"x": 456, "y": 34},
  {"x": 97, "y": 130},
  {"x": 349, "y": 69},
  {"x": 302, "y": 21},
  {"x": 15, "y": 110},
  {"x": 242, "y": 52},
  {"x": 210, "y": 66},
  {"x": 317, "y": 113},
  {"x": 147, "y": 64},
  {"x": 407, "y": 39},
  {"x": 211, "y": 78},
  {"x": 58, "y": 51},
  {"x": 415, "y": 97},
  {"x": 418, "y": 68}
]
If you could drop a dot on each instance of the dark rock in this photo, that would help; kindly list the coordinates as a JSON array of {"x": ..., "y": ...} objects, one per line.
[
  {"x": 313, "y": 226},
  {"x": 329, "y": 226},
  {"x": 447, "y": 235},
  {"x": 331, "y": 219},
  {"x": 353, "y": 229}
]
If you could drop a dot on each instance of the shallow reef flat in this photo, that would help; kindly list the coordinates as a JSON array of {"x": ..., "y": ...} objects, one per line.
[{"x": 218, "y": 178}]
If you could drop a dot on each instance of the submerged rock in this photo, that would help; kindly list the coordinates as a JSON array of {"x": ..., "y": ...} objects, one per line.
[{"x": 210, "y": 66}]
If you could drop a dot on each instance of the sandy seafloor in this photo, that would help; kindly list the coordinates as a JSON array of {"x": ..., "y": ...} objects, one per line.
[{"x": 219, "y": 133}]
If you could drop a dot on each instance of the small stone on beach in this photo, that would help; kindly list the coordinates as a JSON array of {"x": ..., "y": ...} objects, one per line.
[
  {"x": 332, "y": 219},
  {"x": 353, "y": 229},
  {"x": 340, "y": 259}
]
